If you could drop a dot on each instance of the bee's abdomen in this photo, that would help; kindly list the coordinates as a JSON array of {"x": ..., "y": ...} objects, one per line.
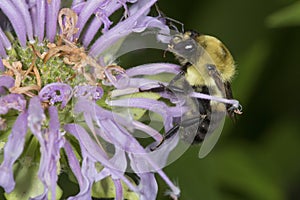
[
  {"x": 202, "y": 130},
  {"x": 204, "y": 110}
]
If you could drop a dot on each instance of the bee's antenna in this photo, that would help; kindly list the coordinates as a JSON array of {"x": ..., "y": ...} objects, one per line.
[
  {"x": 165, "y": 52},
  {"x": 160, "y": 13},
  {"x": 169, "y": 21}
]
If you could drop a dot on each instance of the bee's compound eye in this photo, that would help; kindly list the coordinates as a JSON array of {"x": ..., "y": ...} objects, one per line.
[
  {"x": 210, "y": 67},
  {"x": 189, "y": 47}
]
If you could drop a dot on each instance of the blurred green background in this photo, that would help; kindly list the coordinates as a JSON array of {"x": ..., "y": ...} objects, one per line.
[{"x": 258, "y": 157}]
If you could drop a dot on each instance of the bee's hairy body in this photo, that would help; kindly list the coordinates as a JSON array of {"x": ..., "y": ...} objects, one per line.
[
  {"x": 208, "y": 67},
  {"x": 219, "y": 55}
]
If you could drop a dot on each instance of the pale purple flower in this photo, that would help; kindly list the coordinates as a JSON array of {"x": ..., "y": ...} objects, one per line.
[
  {"x": 55, "y": 109},
  {"x": 61, "y": 88}
]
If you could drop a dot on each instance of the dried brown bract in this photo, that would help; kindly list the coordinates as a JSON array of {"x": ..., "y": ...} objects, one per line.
[
  {"x": 66, "y": 48},
  {"x": 15, "y": 69}
]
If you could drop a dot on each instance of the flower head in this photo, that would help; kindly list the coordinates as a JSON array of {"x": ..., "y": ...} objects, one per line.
[
  {"x": 61, "y": 91},
  {"x": 56, "y": 85}
]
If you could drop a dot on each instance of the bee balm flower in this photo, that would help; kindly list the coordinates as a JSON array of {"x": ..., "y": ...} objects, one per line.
[{"x": 54, "y": 114}]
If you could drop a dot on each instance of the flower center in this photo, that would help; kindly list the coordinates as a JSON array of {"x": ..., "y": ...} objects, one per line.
[
  {"x": 64, "y": 61},
  {"x": 32, "y": 71}
]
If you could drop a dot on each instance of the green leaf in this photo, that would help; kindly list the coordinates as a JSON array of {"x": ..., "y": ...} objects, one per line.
[
  {"x": 27, "y": 182},
  {"x": 106, "y": 189},
  {"x": 288, "y": 16}
]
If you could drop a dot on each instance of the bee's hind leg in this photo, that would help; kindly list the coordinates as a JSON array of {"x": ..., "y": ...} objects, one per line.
[
  {"x": 167, "y": 88},
  {"x": 190, "y": 122},
  {"x": 167, "y": 135}
]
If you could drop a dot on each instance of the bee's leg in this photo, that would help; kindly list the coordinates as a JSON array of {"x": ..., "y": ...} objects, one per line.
[
  {"x": 167, "y": 135},
  {"x": 160, "y": 88},
  {"x": 177, "y": 77},
  {"x": 186, "y": 123},
  {"x": 169, "y": 88}
]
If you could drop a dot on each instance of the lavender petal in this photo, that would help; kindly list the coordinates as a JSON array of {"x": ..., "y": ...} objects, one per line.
[
  {"x": 88, "y": 91},
  {"x": 33, "y": 15},
  {"x": 149, "y": 104},
  {"x": 148, "y": 22},
  {"x": 4, "y": 40},
  {"x": 2, "y": 69},
  {"x": 73, "y": 163},
  {"x": 16, "y": 19},
  {"x": 78, "y": 6},
  {"x": 140, "y": 160},
  {"x": 40, "y": 19},
  {"x": 121, "y": 30},
  {"x": 36, "y": 117},
  {"x": 148, "y": 186},
  {"x": 97, "y": 113},
  {"x": 54, "y": 145},
  {"x": 2, "y": 51},
  {"x": 137, "y": 6},
  {"x": 144, "y": 84},
  {"x": 12, "y": 151},
  {"x": 95, "y": 152},
  {"x": 6, "y": 82},
  {"x": 50, "y": 143},
  {"x": 89, "y": 171},
  {"x": 56, "y": 92},
  {"x": 122, "y": 140},
  {"x": 88, "y": 9},
  {"x": 103, "y": 17},
  {"x": 76, "y": 2},
  {"x": 12, "y": 101},
  {"x": 102, "y": 14},
  {"x": 152, "y": 69},
  {"x": 22, "y": 7},
  {"x": 119, "y": 189},
  {"x": 52, "y": 9}
]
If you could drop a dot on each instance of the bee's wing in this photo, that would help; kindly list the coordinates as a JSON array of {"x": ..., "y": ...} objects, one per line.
[
  {"x": 194, "y": 54},
  {"x": 216, "y": 87},
  {"x": 213, "y": 133}
]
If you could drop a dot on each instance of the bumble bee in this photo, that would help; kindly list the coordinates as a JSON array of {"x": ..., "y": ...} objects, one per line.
[{"x": 207, "y": 66}]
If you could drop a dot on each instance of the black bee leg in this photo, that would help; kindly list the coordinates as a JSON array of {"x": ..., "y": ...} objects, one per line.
[
  {"x": 160, "y": 88},
  {"x": 163, "y": 88},
  {"x": 169, "y": 88},
  {"x": 186, "y": 123},
  {"x": 177, "y": 77},
  {"x": 167, "y": 135}
]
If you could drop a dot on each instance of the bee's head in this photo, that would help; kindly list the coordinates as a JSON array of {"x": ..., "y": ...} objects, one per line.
[{"x": 185, "y": 46}]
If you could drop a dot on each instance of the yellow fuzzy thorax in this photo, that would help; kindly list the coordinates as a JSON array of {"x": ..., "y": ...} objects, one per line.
[{"x": 215, "y": 53}]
